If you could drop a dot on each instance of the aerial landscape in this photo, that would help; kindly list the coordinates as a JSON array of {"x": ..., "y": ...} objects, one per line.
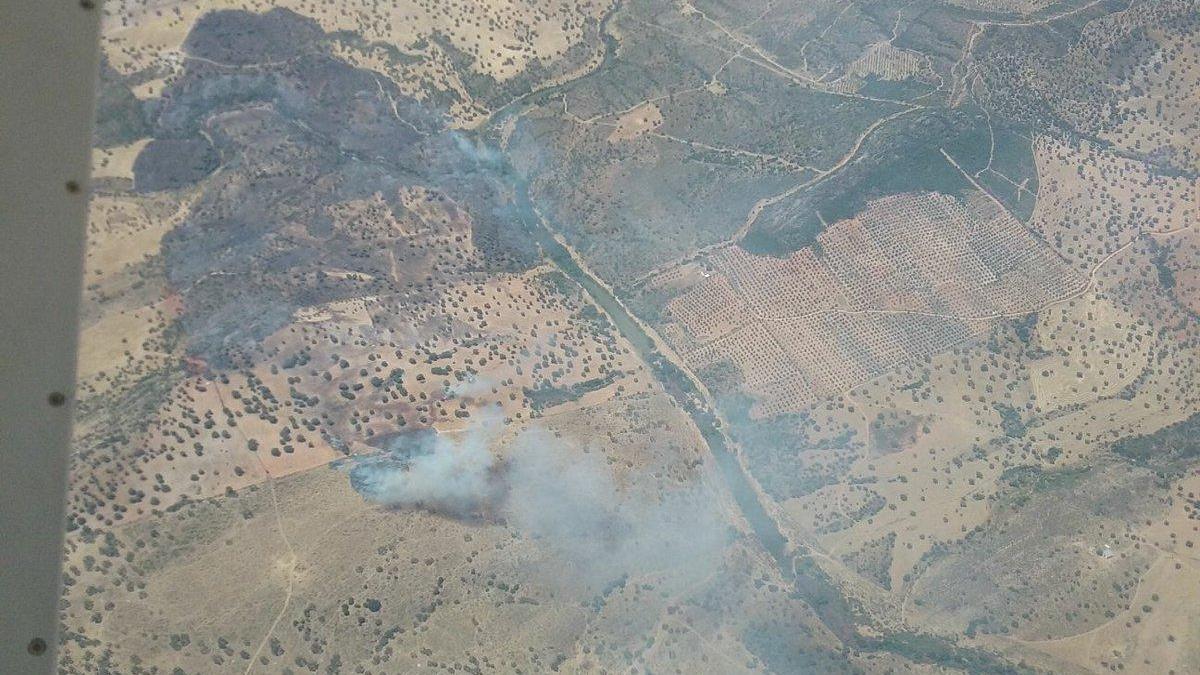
[{"x": 640, "y": 336}]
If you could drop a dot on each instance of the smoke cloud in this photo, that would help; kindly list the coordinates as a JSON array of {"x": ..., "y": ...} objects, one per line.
[
  {"x": 456, "y": 476},
  {"x": 470, "y": 387},
  {"x": 565, "y": 499}
]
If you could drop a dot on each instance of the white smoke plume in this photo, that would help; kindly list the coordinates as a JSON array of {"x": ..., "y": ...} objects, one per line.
[
  {"x": 565, "y": 499},
  {"x": 453, "y": 475},
  {"x": 470, "y": 387}
]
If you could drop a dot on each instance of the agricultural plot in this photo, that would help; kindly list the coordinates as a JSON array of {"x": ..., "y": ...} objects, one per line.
[{"x": 907, "y": 278}]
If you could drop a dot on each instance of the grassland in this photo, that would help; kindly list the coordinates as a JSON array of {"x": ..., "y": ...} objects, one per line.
[{"x": 765, "y": 337}]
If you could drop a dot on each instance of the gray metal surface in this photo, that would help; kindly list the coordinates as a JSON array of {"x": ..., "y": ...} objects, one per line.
[{"x": 48, "y": 60}]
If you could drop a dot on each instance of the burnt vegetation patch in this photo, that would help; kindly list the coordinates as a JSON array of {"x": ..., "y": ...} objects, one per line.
[{"x": 306, "y": 133}]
